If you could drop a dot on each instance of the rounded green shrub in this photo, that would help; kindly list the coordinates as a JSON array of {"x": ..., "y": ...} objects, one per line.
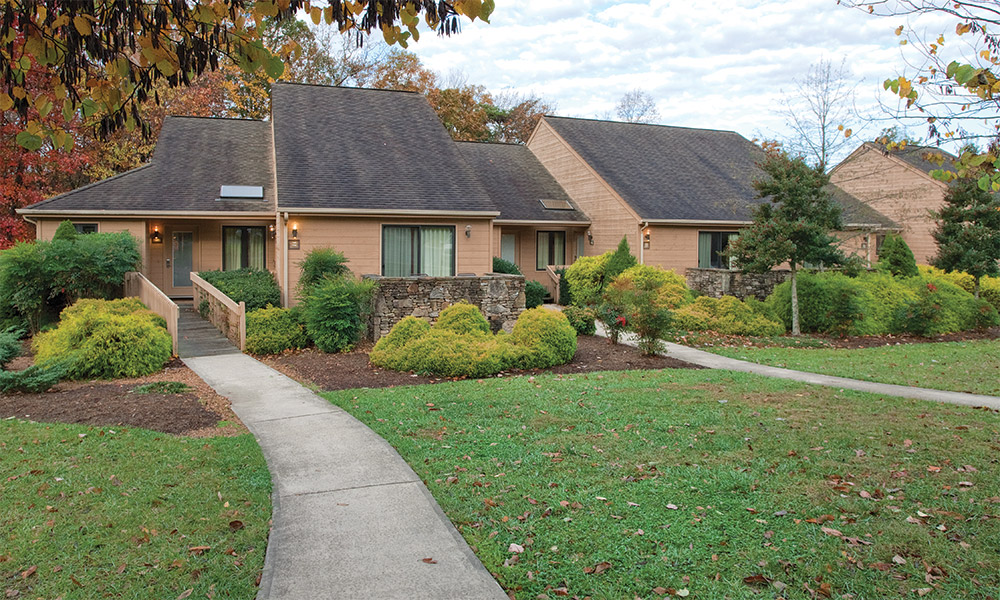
[
  {"x": 505, "y": 266},
  {"x": 582, "y": 319},
  {"x": 672, "y": 290},
  {"x": 402, "y": 333},
  {"x": 961, "y": 279},
  {"x": 273, "y": 330},
  {"x": 546, "y": 337},
  {"x": 66, "y": 231},
  {"x": 534, "y": 294},
  {"x": 450, "y": 354},
  {"x": 726, "y": 315},
  {"x": 462, "y": 318},
  {"x": 989, "y": 290},
  {"x": 829, "y": 302},
  {"x": 943, "y": 307},
  {"x": 320, "y": 264},
  {"x": 586, "y": 279},
  {"x": 335, "y": 312}
]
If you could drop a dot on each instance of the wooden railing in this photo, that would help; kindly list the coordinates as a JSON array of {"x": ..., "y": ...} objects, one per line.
[
  {"x": 228, "y": 316},
  {"x": 153, "y": 297},
  {"x": 555, "y": 277}
]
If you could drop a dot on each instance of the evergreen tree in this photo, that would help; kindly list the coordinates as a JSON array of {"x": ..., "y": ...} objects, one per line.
[
  {"x": 896, "y": 257},
  {"x": 619, "y": 261},
  {"x": 793, "y": 226},
  {"x": 968, "y": 231}
]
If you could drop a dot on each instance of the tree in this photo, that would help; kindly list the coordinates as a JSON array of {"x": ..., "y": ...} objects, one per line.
[
  {"x": 952, "y": 87},
  {"x": 793, "y": 226},
  {"x": 896, "y": 257},
  {"x": 512, "y": 117},
  {"x": 637, "y": 107},
  {"x": 819, "y": 111},
  {"x": 621, "y": 260},
  {"x": 968, "y": 231},
  {"x": 106, "y": 57}
]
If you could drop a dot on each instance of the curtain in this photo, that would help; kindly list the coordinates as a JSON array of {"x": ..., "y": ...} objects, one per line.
[
  {"x": 507, "y": 242},
  {"x": 255, "y": 253},
  {"x": 704, "y": 250},
  {"x": 397, "y": 251},
  {"x": 233, "y": 248},
  {"x": 542, "y": 250},
  {"x": 559, "y": 248},
  {"x": 731, "y": 260},
  {"x": 437, "y": 251}
]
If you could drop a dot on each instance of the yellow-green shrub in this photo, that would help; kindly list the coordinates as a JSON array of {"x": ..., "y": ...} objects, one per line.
[
  {"x": 106, "y": 340},
  {"x": 989, "y": 290},
  {"x": 546, "y": 337},
  {"x": 726, "y": 315},
  {"x": 582, "y": 319},
  {"x": 451, "y": 354},
  {"x": 586, "y": 278},
  {"x": 960, "y": 278},
  {"x": 462, "y": 317},
  {"x": 672, "y": 289},
  {"x": 273, "y": 330},
  {"x": 407, "y": 330}
]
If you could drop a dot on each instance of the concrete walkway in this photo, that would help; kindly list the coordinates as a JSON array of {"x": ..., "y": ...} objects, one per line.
[
  {"x": 351, "y": 519},
  {"x": 715, "y": 361}
]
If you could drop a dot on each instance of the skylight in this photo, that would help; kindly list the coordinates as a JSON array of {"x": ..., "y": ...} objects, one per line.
[
  {"x": 552, "y": 204},
  {"x": 241, "y": 192}
]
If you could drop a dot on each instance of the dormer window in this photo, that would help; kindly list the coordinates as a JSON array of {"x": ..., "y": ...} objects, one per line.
[{"x": 241, "y": 192}]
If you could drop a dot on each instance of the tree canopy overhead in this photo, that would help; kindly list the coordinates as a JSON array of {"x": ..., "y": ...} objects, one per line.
[{"x": 106, "y": 57}]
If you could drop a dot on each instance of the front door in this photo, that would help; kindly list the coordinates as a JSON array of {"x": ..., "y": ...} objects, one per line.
[{"x": 182, "y": 261}]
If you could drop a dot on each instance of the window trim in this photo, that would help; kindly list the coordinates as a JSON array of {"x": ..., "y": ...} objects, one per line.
[
  {"x": 728, "y": 235},
  {"x": 245, "y": 252},
  {"x": 80, "y": 225},
  {"x": 415, "y": 258},
  {"x": 551, "y": 247}
]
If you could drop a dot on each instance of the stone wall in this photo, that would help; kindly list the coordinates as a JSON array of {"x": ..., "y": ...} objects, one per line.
[
  {"x": 500, "y": 297},
  {"x": 723, "y": 282}
]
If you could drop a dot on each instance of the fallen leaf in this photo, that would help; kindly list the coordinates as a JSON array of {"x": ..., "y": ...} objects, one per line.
[
  {"x": 515, "y": 548},
  {"x": 682, "y": 593},
  {"x": 598, "y": 568},
  {"x": 429, "y": 561},
  {"x": 561, "y": 591},
  {"x": 31, "y": 571},
  {"x": 899, "y": 560},
  {"x": 660, "y": 591},
  {"x": 198, "y": 549},
  {"x": 933, "y": 469},
  {"x": 833, "y": 532},
  {"x": 923, "y": 591},
  {"x": 672, "y": 506},
  {"x": 235, "y": 525},
  {"x": 186, "y": 593},
  {"x": 756, "y": 579}
]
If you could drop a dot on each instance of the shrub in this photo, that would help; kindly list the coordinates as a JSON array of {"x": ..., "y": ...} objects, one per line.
[
  {"x": 34, "y": 379},
  {"x": 638, "y": 294},
  {"x": 672, "y": 289},
  {"x": 404, "y": 332},
  {"x": 961, "y": 279},
  {"x": 93, "y": 265},
  {"x": 106, "y": 340},
  {"x": 10, "y": 346},
  {"x": 585, "y": 278},
  {"x": 505, "y": 266},
  {"x": 989, "y": 290},
  {"x": 620, "y": 260},
  {"x": 534, "y": 294},
  {"x": 728, "y": 316},
  {"x": 273, "y": 330},
  {"x": 829, "y": 302},
  {"x": 546, "y": 337},
  {"x": 565, "y": 295},
  {"x": 319, "y": 264},
  {"x": 254, "y": 287},
  {"x": 462, "y": 318},
  {"x": 943, "y": 307},
  {"x": 582, "y": 319},
  {"x": 451, "y": 354},
  {"x": 26, "y": 282},
  {"x": 65, "y": 231},
  {"x": 895, "y": 257},
  {"x": 335, "y": 312},
  {"x": 614, "y": 320}
]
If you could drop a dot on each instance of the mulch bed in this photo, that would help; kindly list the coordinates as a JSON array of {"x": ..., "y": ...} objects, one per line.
[
  {"x": 352, "y": 369},
  {"x": 195, "y": 413}
]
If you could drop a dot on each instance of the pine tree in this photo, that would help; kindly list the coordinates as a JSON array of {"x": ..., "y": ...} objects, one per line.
[
  {"x": 896, "y": 257},
  {"x": 968, "y": 231},
  {"x": 622, "y": 259}
]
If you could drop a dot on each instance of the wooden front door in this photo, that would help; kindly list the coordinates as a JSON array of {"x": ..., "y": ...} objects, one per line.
[{"x": 180, "y": 263}]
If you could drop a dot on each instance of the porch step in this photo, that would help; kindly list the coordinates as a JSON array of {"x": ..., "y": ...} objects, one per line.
[{"x": 198, "y": 337}]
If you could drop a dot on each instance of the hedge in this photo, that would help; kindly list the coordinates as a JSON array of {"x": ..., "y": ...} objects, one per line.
[
  {"x": 273, "y": 330},
  {"x": 254, "y": 287}
]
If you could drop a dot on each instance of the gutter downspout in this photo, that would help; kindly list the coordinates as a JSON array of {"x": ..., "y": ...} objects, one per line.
[
  {"x": 34, "y": 224},
  {"x": 642, "y": 243},
  {"x": 284, "y": 254}
]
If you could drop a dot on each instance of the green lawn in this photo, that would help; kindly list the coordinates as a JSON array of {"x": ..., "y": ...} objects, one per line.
[
  {"x": 708, "y": 483},
  {"x": 956, "y": 366},
  {"x": 91, "y": 512}
]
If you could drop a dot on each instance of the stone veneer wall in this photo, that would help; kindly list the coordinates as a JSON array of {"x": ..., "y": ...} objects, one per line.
[
  {"x": 723, "y": 282},
  {"x": 500, "y": 297}
]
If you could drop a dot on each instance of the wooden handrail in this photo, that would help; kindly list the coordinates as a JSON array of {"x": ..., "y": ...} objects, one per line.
[
  {"x": 237, "y": 308},
  {"x": 153, "y": 297}
]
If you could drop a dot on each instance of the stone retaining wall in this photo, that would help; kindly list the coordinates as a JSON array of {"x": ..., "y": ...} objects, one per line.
[
  {"x": 500, "y": 297},
  {"x": 723, "y": 282}
]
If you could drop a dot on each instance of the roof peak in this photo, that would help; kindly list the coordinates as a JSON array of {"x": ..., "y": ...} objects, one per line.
[
  {"x": 343, "y": 87},
  {"x": 210, "y": 118},
  {"x": 641, "y": 124}
]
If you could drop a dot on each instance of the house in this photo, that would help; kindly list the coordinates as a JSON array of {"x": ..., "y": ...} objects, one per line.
[
  {"x": 897, "y": 183},
  {"x": 374, "y": 174},
  {"x": 677, "y": 194}
]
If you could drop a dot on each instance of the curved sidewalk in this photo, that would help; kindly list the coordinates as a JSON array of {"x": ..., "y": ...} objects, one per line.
[
  {"x": 351, "y": 519},
  {"x": 716, "y": 361}
]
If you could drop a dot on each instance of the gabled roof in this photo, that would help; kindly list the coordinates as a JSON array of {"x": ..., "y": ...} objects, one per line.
[
  {"x": 518, "y": 183},
  {"x": 665, "y": 172},
  {"x": 922, "y": 158},
  {"x": 343, "y": 149},
  {"x": 856, "y": 213},
  {"x": 193, "y": 158}
]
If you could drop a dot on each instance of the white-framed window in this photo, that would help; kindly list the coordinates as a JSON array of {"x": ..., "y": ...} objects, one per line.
[
  {"x": 711, "y": 245},
  {"x": 550, "y": 249},
  {"x": 418, "y": 250}
]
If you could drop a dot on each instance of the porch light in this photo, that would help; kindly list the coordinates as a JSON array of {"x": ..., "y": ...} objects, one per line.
[
  {"x": 645, "y": 238},
  {"x": 270, "y": 231},
  {"x": 590, "y": 237},
  {"x": 156, "y": 237},
  {"x": 468, "y": 231},
  {"x": 295, "y": 230}
]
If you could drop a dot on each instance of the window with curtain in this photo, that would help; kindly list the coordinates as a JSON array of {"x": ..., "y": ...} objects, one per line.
[
  {"x": 415, "y": 249},
  {"x": 243, "y": 248},
  {"x": 711, "y": 244},
  {"x": 550, "y": 249},
  {"x": 85, "y": 227}
]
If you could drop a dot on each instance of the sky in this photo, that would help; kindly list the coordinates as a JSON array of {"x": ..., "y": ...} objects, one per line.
[{"x": 720, "y": 65}]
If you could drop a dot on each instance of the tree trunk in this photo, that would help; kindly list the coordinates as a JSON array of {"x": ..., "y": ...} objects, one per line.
[
  {"x": 795, "y": 305},
  {"x": 975, "y": 289}
]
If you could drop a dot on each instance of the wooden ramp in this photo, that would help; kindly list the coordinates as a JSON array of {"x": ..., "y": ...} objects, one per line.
[{"x": 198, "y": 337}]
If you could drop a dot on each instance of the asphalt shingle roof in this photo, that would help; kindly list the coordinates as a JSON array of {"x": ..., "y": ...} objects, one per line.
[
  {"x": 923, "y": 158},
  {"x": 857, "y": 212},
  {"x": 193, "y": 158},
  {"x": 349, "y": 148},
  {"x": 516, "y": 182}
]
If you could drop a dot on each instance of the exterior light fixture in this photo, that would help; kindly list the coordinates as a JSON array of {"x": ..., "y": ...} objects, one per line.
[
  {"x": 590, "y": 237},
  {"x": 293, "y": 242},
  {"x": 468, "y": 231},
  {"x": 295, "y": 230},
  {"x": 645, "y": 238},
  {"x": 270, "y": 230},
  {"x": 156, "y": 237}
]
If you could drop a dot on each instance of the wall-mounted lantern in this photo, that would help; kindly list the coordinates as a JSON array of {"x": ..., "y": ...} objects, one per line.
[
  {"x": 156, "y": 237},
  {"x": 293, "y": 242},
  {"x": 645, "y": 238},
  {"x": 270, "y": 231},
  {"x": 468, "y": 231},
  {"x": 590, "y": 237}
]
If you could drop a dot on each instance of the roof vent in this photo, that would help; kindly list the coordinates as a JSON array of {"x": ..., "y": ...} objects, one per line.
[
  {"x": 552, "y": 204},
  {"x": 241, "y": 192}
]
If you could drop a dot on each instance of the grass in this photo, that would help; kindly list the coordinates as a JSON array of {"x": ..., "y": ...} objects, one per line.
[
  {"x": 957, "y": 366},
  {"x": 708, "y": 483},
  {"x": 162, "y": 387},
  {"x": 129, "y": 513}
]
